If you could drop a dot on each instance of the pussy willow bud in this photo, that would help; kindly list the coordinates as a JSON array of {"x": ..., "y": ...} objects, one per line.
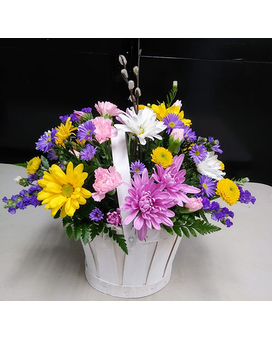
[
  {"x": 138, "y": 92},
  {"x": 122, "y": 60},
  {"x": 124, "y": 73},
  {"x": 136, "y": 70},
  {"x": 131, "y": 85}
]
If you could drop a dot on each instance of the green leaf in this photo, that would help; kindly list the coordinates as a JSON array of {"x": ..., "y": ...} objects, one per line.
[
  {"x": 66, "y": 220},
  {"x": 69, "y": 231},
  {"x": 77, "y": 232},
  {"x": 121, "y": 241},
  {"x": 85, "y": 233},
  {"x": 177, "y": 230},
  {"x": 203, "y": 227},
  {"x": 24, "y": 165},
  {"x": 185, "y": 231},
  {"x": 45, "y": 162},
  {"x": 168, "y": 229},
  {"x": 95, "y": 230},
  {"x": 192, "y": 231}
]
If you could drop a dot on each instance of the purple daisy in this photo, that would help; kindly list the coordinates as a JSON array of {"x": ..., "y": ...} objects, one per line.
[
  {"x": 198, "y": 153},
  {"x": 215, "y": 145},
  {"x": 207, "y": 186},
  {"x": 137, "y": 167},
  {"x": 172, "y": 121},
  {"x": 45, "y": 142},
  {"x": 96, "y": 215},
  {"x": 85, "y": 131},
  {"x": 88, "y": 152}
]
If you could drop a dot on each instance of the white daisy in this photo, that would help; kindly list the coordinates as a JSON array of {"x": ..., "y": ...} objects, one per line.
[
  {"x": 211, "y": 167},
  {"x": 143, "y": 125}
]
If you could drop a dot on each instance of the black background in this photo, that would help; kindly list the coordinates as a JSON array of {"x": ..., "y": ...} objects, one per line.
[{"x": 224, "y": 84}]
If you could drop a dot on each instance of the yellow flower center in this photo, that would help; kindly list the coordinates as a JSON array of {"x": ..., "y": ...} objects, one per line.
[
  {"x": 205, "y": 186},
  {"x": 142, "y": 131},
  {"x": 67, "y": 190},
  {"x": 171, "y": 124}
]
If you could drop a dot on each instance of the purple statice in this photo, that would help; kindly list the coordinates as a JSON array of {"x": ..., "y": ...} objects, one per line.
[
  {"x": 96, "y": 215},
  {"x": 137, "y": 167},
  {"x": 32, "y": 178},
  {"x": 228, "y": 222},
  {"x": 24, "y": 199},
  {"x": 198, "y": 153},
  {"x": 72, "y": 117},
  {"x": 12, "y": 210},
  {"x": 34, "y": 189},
  {"x": 207, "y": 186},
  {"x": 148, "y": 205},
  {"x": 221, "y": 214},
  {"x": 63, "y": 118},
  {"x": 5, "y": 199},
  {"x": 45, "y": 142},
  {"x": 114, "y": 218},
  {"x": 215, "y": 145},
  {"x": 88, "y": 152},
  {"x": 206, "y": 203},
  {"x": 172, "y": 121},
  {"x": 86, "y": 109},
  {"x": 245, "y": 196},
  {"x": 85, "y": 131},
  {"x": 20, "y": 205}
]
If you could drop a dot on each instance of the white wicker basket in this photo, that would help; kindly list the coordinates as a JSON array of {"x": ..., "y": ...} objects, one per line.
[{"x": 147, "y": 267}]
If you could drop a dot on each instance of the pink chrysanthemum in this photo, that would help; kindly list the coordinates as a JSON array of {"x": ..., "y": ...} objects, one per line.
[
  {"x": 148, "y": 205},
  {"x": 172, "y": 179}
]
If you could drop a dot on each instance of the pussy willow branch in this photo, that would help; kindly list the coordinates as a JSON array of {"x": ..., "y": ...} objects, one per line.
[{"x": 138, "y": 75}]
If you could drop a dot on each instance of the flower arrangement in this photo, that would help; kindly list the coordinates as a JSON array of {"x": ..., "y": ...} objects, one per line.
[{"x": 175, "y": 175}]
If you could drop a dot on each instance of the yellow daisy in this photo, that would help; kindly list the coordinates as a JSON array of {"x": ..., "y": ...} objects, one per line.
[
  {"x": 228, "y": 191},
  {"x": 64, "y": 131},
  {"x": 162, "y": 156},
  {"x": 161, "y": 111},
  {"x": 33, "y": 165},
  {"x": 63, "y": 191}
]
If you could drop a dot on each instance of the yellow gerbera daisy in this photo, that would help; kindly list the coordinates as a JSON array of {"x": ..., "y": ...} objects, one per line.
[
  {"x": 162, "y": 156},
  {"x": 63, "y": 191},
  {"x": 33, "y": 165},
  {"x": 64, "y": 131},
  {"x": 228, "y": 191},
  {"x": 161, "y": 111}
]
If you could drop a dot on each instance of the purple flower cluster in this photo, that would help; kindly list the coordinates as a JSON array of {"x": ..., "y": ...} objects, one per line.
[
  {"x": 245, "y": 196},
  {"x": 217, "y": 213},
  {"x": 23, "y": 199}
]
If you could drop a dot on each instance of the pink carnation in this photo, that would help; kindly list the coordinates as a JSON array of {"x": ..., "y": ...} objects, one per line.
[
  {"x": 105, "y": 180},
  {"x": 177, "y": 103},
  {"x": 107, "y": 108},
  {"x": 103, "y": 129},
  {"x": 194, "y": 204}
]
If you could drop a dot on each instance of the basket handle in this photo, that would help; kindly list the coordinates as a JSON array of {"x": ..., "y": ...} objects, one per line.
[{"x": 121, "y": 163}]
